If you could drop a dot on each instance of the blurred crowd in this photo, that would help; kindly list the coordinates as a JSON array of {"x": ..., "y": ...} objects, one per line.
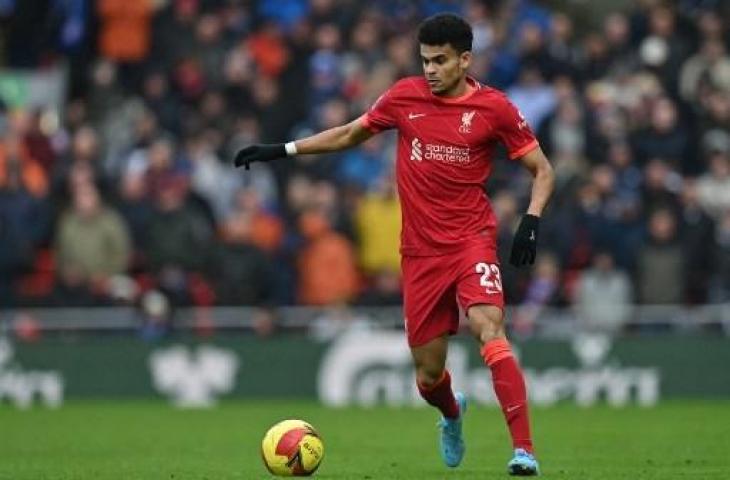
[{"x": 128, "y": 188}]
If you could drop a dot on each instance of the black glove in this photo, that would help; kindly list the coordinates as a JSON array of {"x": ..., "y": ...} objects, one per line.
[
  {"x": 259, "y": 153},
  {"x": 524, "y": 245}
]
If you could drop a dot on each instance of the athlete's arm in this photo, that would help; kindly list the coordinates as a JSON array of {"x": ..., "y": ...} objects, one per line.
[
  {"x": 332, "y": 140},
  {"x": 544, "y": 183},
  {"x": 524, "y": 245}
]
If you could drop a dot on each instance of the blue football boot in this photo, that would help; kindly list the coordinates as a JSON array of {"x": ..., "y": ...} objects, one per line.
[
  {"x": 452, "y": 443},
  {"x": 523, "y": 464}
]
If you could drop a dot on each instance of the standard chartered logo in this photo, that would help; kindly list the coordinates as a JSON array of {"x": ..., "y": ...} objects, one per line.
[
  {"x": 449, "y": 154},
  {"x": 416, "y": 152}
]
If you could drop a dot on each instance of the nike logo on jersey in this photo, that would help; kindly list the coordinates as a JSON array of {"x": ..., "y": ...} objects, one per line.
[{"x": 411, "y": 116}]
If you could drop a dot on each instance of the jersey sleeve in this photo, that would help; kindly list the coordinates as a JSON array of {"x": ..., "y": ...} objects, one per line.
[
  {"x": 513, "y": 131},
  {"x": 382, "y": 114}
]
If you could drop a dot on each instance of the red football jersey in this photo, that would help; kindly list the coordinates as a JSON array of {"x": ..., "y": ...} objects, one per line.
[{"x": 445, "y": 148}]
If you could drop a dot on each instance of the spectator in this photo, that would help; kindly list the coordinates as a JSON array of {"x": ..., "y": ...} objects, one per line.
[
  {"x": 114, "y": 114},
  {"x": 561, "y": 47},
  {"x": 135, "y": 207},
  {"x": 23, "y": 226},
  {"x": 159, "y": 99},
  {"x": 269, "y": 50},
  {"x": 621, "y": 54},
  {"x": 298, "y": 198},
  {"x": 364, "y": 168},
  {"x": 710, "y": 66},
  {"x": 274, "y": 116},
  {"x": 665, "y": 138},
  {"x": 543, "y": 291},
  {"x": 534, "y": 51},
  {"x": 378, "y": 220},
  {"x": 125, "y": 36},
  {"x": 535, "y": 98},
  {"x": 267, "y": 229},
  {"x": 178, "y": 240},
  {"x": 83, "y": 158},
  {"x": 92, "y": 241},
  {"x": 16, "y": 163},
  {"x": 660, "y": 272},
  {"x": 327, "y": 270},
  {"x": 714, "y": 186},
  {"x": 331, "y": 114},
  {"x": 697, "y": 230},
  {"x": 590, "y": 216},
  {"x": 603, "y": 298},
  {"x": 125, "y": 29},
  {"x": 245, "y": 275},
  {"x": 37, "y": 143},
  {"x": 174, "y": 32},
  {"x": 664, "y": 49},
  {"x": 564, "y": 136},
  {"x": 329, "y": 202},
  {"x": 364, "y": 44},
  {"x": 156, "y": 163},
  {"x": 628, "y": 179},
  {"x": 210, "y": 50},
  {"x": 661, "y": 186},
  {"x": 210, "y": 178},
  {"x": 596, "y": 62},
  {"x": 325, "y": 64}
]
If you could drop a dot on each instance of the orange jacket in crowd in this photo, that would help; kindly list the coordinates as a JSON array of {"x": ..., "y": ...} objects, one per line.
[
  {"x": 125, "y": 29},
  {"x": 327, "y": 265},
  {"x": 32, "y": 175}
]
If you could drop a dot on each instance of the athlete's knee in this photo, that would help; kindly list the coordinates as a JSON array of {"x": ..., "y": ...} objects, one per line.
[
  {"x": 429, "y": 375},
  {"x": 486, "y": 322},
  {"x": 430, "y": 361},
  {"x": 429, "y": 369}
]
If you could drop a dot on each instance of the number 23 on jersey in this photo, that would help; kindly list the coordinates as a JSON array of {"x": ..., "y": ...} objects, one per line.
[{"x": 490, "y": 278}]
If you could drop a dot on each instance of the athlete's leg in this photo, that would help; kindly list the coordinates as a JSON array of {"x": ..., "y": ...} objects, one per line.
[
  {"x": 434, "y": 384},
  {"x": 487, "y": 324},
  {"x": 431, "y": 314},
  {"x": 430, "y": 361},
  {"x": 432, "y": 378}
]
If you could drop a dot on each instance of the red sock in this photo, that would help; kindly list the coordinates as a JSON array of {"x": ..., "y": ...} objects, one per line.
[
  {"x": 509, "y": 385},
  {"x": 440, "y": 396}
]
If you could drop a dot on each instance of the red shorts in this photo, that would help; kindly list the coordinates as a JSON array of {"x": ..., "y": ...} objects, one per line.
[{"x": 435, "y": 287}]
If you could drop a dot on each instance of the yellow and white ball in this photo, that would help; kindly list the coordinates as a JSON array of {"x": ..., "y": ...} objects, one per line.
[{"x": 292, "y": 448}]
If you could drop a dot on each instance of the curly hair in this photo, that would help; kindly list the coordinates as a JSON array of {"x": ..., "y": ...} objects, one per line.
[{"x": 446, "y": 28}]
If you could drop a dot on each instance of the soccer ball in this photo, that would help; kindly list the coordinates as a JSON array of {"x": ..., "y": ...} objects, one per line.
[{"x": 292, "y": 448}]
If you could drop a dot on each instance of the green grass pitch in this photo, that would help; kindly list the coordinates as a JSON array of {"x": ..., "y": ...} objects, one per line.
[{"x": 153, "y": 441}]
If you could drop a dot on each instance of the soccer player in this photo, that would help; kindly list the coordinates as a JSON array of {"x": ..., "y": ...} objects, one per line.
[{"x": 448, "y": 125}]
